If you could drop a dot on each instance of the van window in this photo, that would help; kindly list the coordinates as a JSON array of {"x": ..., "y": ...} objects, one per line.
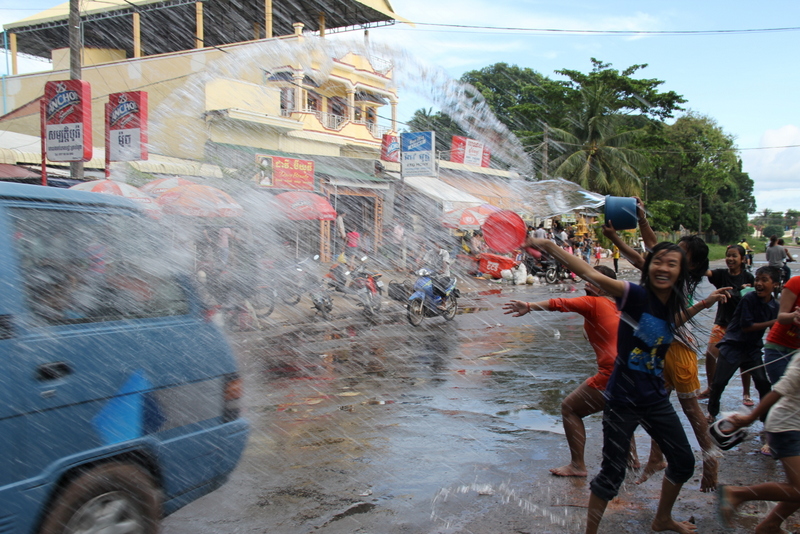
[{"x": 81, "y": 267}]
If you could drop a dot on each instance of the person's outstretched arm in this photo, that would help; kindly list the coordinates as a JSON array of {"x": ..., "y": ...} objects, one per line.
[
  {"x": 615, "y": 288},
  {"x": 520, "y": 308},
  {"x": 625, "y": 249},
  {"x": 648, "y": 235}
]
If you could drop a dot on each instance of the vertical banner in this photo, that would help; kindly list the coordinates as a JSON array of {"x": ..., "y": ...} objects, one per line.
[
  {"x": 67, "y": 120},
  {"x": 126, "y": 126},
  {"x": 469, "y": 151},
  {"x": 418, "y": 156},
  {"x": 390, "y": 148}
]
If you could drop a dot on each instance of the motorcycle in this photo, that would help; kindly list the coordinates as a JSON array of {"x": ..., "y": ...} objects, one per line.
[
  {"x": 426, "y": 301},
  {"x": 554, "y": 271},
  {"x": 363, "y": 284},
  {"x": 307, "y": 277}
]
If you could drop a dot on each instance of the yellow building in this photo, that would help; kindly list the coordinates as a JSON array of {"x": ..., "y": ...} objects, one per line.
[{"x": 227, "y": 82}]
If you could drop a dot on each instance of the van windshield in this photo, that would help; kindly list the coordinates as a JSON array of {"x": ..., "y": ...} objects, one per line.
[{"x": 82, "y": 267}]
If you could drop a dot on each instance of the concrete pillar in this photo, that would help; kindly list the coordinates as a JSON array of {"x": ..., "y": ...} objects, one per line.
[
  {"x": 137, "y": 35},
  {"x": 268, "y": 19},
  {"x": 351, "y": 105},
  {"x": 298, "y": 28},
  {"x": 198, "y": 24},
  {"x": 12, "y": 41},
  {"x": 321, "y": 24},
  {"x": 394, "y": 115},
  {"x": 300, "y": 103}
]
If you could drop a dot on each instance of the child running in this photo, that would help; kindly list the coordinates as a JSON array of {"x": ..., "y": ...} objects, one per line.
[
  {"x": 681, "y": 373},
  {"x": 652, "y": 314},
  {"x": 741, "y": 346},
  {"x": 736, "y": 277},
  {"x": 601, "y": 325},
  {"x": 782, "y": 408}
]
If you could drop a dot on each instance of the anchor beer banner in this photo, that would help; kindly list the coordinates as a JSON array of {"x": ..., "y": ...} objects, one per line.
[
  {"x": 126, "y": 126},
  {"x": 469, "y": 151},
  {"x": 67, "y": 120}
]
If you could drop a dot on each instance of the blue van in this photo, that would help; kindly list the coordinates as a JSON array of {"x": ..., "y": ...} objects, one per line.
[{"x": 119, "y": 400}]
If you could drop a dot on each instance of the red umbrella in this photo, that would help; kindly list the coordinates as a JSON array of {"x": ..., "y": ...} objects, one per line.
[
  {"x": 199, "y": 201},
  {"x": 162, "y": 185},
  {"x": 110, "y": 187},
  {"x": 305, "y": 206},
  {"x": 468, "y": 218}
]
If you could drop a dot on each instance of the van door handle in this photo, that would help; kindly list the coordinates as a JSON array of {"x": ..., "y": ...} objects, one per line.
[{"x": 52, "y": 371}]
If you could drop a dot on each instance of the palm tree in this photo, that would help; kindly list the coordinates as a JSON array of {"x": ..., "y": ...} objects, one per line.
[{"x": 595, "y": 155}]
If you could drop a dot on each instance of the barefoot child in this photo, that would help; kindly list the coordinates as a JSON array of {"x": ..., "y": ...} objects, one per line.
[
  {"x": 600, "y": 326},
  {"x": 782, "y": 406},
  {"x": 737, "y": 277},
  {"x": 681, "y": 373},
  {"x": 741, "y": 346},
  {"x": 652, "y": 314}
]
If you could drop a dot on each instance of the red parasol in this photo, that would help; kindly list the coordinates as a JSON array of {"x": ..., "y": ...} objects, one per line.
[
  {"x": 110, "y": 187},
  {"x": 199, "y": 201},
  {"x": 162, "y": 185},
  {"x": 305, "y": 206},
  {"x": 468, "y": 218}
]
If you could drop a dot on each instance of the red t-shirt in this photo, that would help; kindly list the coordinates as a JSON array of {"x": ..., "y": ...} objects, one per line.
[
  {"x": 787, "y": 335},
  {"x": 601, "y": 326},
  {"x": 352, "y": 239}
]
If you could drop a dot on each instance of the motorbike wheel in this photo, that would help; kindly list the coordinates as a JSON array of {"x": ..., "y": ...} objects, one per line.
[
  {"x": 264, "y": 301},
  {"x": 416, "y": 312},
  {"x": 324, "y": 308},
  {"x": 452, "y": 309},
  {"x": 551, "y": 276},
  {"x": 375, "y": 299}
]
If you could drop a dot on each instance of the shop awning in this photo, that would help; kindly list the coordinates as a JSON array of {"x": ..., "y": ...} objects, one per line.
[
  {"x": 450, "y": 197},
  {"x": 493, "y": 190}
]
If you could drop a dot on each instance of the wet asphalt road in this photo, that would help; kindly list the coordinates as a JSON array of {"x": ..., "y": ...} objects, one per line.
[{"x": 446, "y": 428}]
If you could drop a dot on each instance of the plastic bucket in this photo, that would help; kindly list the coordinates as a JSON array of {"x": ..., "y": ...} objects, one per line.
[
  {"x": 504, "y": 231},
  {"x": 621, "y": 211}
]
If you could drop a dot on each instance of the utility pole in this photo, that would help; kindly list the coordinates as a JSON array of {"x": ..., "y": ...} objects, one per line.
[
  {"x": 700, "y": 215},
  {"x": 545, "y": 162},
  {"x": 75, "y": 167}
]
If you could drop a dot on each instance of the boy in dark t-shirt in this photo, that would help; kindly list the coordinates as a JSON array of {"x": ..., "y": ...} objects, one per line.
[{"x": 741, "y": 346}]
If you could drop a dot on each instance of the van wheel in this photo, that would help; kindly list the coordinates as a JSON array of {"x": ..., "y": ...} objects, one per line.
[{"x": 108, "y": 498}]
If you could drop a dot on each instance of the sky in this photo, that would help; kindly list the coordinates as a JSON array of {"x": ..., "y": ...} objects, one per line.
[{"x": 748, "y": 82}]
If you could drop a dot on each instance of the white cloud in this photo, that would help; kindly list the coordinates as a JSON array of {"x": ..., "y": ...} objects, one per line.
[{"x": 776, "y": 171}]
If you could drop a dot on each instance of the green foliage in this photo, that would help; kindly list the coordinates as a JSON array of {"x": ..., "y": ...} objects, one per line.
[{"x": 773, "y": 229}]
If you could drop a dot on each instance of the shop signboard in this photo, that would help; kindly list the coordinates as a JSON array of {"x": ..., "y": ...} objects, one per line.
[
  {"x": 126, "y": 126},
  {"x": 469, "y": 151},
  {"x": 418, "y": 157},
  {"x": 390, "y": 148},
  {"x": 67, "y": 120},
  {"x": 278, "y": 172}
]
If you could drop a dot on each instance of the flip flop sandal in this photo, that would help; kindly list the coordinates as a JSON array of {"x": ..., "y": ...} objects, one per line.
[
  {"x": 766, "y": 451},
  {"x": 747, "y": 401},
  {"x": 724, "y": 510}
]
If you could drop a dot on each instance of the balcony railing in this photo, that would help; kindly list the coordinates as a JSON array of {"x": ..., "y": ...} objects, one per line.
[{"x": 337, "y": 122}]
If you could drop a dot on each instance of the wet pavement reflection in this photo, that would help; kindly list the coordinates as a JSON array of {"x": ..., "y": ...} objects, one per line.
[{"x": 448, "y": 427}]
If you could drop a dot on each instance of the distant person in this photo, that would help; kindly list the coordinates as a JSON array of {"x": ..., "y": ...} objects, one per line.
[
  {"x": 540, "y": 233},
  {"x": 615, "y": 257}
]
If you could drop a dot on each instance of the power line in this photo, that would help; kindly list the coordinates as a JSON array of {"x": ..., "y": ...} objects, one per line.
[{"x": 611, "y": 32}]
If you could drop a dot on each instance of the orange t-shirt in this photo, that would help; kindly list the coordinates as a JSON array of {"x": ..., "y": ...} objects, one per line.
[
  {"x": 601, "y": 325},
  {"x": 787, "y": 335}
]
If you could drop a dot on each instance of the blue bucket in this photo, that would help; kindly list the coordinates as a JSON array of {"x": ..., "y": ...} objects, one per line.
[{"x": 621, "y": 211}]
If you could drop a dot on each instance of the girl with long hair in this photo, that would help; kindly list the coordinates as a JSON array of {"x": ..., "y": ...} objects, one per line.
[{"x": 653, "y": 313}]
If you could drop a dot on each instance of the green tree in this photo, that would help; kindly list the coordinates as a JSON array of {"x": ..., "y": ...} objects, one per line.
[
  {"x": 695, "y": 160},
  {"x": 594, "y": 153},
  {"x": 425, "y": 120}
]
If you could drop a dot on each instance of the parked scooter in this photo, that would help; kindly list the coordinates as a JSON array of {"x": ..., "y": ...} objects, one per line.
[
  {"x": 368, "y": 287},
  {"x": 427, "y": 300},
  {"x": 365, "y": 285},
  {"x": 311, "y": 280},
  {"x": 555, "y": 272}
]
